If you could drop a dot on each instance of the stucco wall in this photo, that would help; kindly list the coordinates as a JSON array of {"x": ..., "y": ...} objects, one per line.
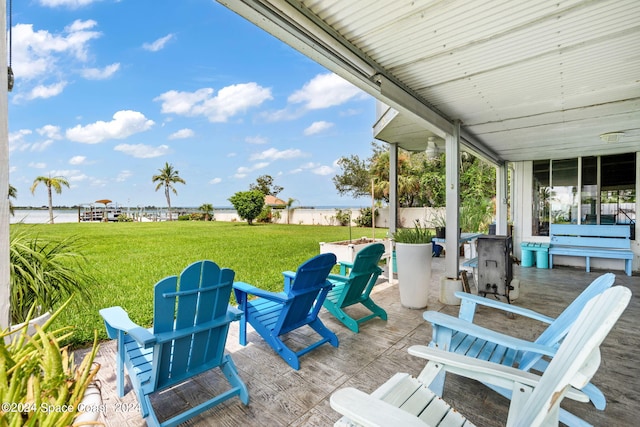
[{"x": 308, "y": 216}]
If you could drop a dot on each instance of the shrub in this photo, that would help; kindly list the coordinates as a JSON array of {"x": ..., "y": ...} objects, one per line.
[
  {"x": 365, "y": 219},
  {"x": 44, "y": 273},
  {"x": 124, "y": 218},
  {"x": 343, "y": 217},
  {"x": 265, "y": 215},
  {"x": 248, "y": 204}
]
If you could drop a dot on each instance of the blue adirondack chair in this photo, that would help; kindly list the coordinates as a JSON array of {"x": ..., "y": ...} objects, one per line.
[
  {"x": 190, "y": 327},
  {"x": 407, "y": 401},
  {"x": 356, "y": 287},
  {"x": 274, "y": 314},
  {"x": 460, "y": 335}
]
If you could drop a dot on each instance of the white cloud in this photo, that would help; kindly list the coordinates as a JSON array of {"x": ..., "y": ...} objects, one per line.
[
  {"x": 182, "y": 134},
  {"x": 36, "y": 53},
  {"x": 215, "y": 181},
  {"x": 77, "y": 160},
  {"x": 50, "y": 131},
  {"x": 142, "y": 151},
  {"x": 37, "y": 165},
  {"x": 281, "y": 115},
  {"x": 16, "y": 140},
  {"x": 323, "y": 170},
  {"x": 44, "y": 59},
  {"x": 274, "y": 154},
  {"x": 72, "y": 175},
  {"x": 100, "y": 74},
  {"x": 230, "y": 101},
  {"x": 158, "y": 44},
  {"x": 325, "y": 90},
  {"x": 314, "y": 168},
  {"x": 42, "y": 91},
  {"x": 244, "y": 170},
  {"x": 317, "y": 127},
  {"x": 256, "y": 139},
  {"x": 41, "y": 146},
  {"x": 73, "y": 4},
  {"x": 124, "y": 175},
  {"x": 125, "y": 123}
]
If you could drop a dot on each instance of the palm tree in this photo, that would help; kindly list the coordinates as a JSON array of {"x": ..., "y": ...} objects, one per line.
[
  {"x": 166, "y": 178},
  {"x": 56, "y": 183},
  {"x": 207, "y": 208},
  {"x": 13, "y": 193},
  {"x": 290, "y": 209}
]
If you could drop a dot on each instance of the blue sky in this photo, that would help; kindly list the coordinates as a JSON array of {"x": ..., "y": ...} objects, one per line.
[{"x": 107, "y": 91}]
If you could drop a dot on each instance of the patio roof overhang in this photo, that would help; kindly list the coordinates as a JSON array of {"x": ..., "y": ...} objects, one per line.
[{"x": 527, "y": 80}]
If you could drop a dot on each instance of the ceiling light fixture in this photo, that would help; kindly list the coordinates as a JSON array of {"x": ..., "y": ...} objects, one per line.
[{"x": 611, "y": 137}]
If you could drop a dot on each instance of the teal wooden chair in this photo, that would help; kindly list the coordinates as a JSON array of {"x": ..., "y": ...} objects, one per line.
[
  {"x": 190, "y": 324},
  {"x": 355, "y": 288},
  {"x": 274, "y": 314},
  {"x": 407, "y": 401},
  {"x": 460, "y": 335}
]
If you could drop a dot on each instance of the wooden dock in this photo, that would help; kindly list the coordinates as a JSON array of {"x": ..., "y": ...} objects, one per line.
[{"x": 281, "y": 396}]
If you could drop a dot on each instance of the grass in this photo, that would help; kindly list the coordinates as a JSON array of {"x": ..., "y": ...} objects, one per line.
[{"x": 127, "y": 259}]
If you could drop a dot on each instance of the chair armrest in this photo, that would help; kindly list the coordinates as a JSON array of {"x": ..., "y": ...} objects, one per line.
[
  {"x": 481, "y": 370},
  {"x": 363, "y": 409},
  {"x": 338, "y": 277},
  {"x": 234, "y": 312},
  {"x": 289, "y": 277},
  {"x": 468, "y": 302},
  {"x": 438, "y": 319},
  {"x": 116, "y": 319},
  {"x": 344, "y": 265},
  {"x": 252, "y": 290}
]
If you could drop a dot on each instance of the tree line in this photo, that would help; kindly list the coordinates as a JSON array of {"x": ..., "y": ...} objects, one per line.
[{"x": 421, "y": 182}]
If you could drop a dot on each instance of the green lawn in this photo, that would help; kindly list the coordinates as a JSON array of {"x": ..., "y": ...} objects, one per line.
[{"x": 127, "y": 259}]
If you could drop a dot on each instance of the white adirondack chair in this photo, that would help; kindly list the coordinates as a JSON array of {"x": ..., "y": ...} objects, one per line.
[
  {"x": 461, "y": 336},
  {"x": 407, "y": 401}
]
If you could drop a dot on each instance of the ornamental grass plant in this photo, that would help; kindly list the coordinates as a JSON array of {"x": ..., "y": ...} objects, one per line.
[
  {"x": 419, "y": 234},
  {"x": 44, "y": 272}
]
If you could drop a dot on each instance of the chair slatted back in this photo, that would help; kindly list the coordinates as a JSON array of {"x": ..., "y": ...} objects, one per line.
[
  {"x": 556, "y": 331},
  {"x": 578, "y": 357},
  {"x": 188, "y": 320},
  {"x": 307, "y": 292},
  {"x": 365, "y": 271}
]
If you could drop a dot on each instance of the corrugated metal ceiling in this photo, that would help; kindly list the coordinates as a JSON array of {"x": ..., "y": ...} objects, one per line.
[{"x": 527, "y": 79}]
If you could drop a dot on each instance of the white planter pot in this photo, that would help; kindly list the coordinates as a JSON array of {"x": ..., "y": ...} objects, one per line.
[
  {"x": 91, "y": 405},
  {"x": 31, "y": 330},
  {"x": 414, "y": 273},
  {"x": 346, "y": 250},
  {"x": 448, "y": 288}
]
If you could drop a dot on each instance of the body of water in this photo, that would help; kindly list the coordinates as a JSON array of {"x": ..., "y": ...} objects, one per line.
[{"x": 41, "y": 216}]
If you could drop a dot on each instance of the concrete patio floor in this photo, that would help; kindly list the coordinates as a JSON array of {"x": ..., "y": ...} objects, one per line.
[{"x": 281, "y": 396}]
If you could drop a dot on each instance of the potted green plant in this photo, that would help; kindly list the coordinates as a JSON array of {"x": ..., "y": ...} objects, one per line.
[
  {"x": 413, "y": 258},
  {"x": 40, "y": 383},
  {"x": 44, "y": 273},
  {"x": 439, "y": 222}
]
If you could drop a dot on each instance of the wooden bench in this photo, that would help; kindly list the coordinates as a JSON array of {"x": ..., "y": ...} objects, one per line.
[{"x": 591, "y": 241}]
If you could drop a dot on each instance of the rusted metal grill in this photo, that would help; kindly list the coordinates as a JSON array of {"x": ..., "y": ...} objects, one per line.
[{"x": 495, "y": 265}]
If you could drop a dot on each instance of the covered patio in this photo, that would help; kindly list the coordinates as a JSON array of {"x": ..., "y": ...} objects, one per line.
[
  {"x": 280, "y": 396},
  {"x": 513, "y": 83}
]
